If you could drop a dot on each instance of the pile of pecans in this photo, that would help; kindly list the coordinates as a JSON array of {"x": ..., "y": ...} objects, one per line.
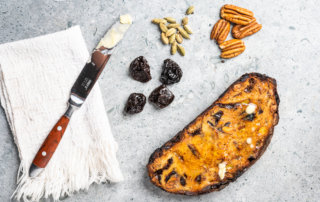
[
  {"x": 245, "y": 25},
  {"x": 173, "y": 33}
]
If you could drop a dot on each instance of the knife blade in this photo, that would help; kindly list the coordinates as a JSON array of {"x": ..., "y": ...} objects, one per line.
[{"x": 79, "y": 92}]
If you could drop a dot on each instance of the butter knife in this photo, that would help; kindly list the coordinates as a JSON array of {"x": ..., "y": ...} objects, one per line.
[{"x": 79, "y": 92}]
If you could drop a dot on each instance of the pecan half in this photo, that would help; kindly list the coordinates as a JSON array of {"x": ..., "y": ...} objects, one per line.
[
  {"x": 220, "y": 31},
  {"x": 236, "y": 14},
  {"x": 241, "y": 31},
  {"x": 231, "y": 48}
]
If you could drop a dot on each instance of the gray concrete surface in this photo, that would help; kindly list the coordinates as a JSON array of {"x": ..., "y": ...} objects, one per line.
[{"x": 287, "y": 49}]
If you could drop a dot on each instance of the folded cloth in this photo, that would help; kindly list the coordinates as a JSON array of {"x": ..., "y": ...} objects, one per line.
[{"x": 36, "y": 76}]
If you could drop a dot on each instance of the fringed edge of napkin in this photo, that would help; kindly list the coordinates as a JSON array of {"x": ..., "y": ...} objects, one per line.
[{"x": 31, "y": 191}]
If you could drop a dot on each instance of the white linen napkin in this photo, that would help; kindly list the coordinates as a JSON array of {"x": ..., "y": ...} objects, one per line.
[{"x": 36, "y": 76}]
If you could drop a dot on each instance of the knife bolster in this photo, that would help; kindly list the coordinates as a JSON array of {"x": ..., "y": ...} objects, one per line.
[{"x": 71, "y": 108}]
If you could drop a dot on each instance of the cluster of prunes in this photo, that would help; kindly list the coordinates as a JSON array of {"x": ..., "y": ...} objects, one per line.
[{"x": 161, "y": 97}]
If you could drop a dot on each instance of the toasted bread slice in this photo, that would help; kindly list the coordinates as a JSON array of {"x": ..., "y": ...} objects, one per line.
[{"x": 222, "y": 142}]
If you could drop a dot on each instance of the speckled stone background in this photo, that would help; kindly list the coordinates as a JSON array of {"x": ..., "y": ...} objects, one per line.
[{"x": 287, "y": 48}]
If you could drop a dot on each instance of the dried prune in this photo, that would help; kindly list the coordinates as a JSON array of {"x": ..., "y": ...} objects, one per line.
[
  {"x": 217, "y": 116},
  {"x": 183, "y": 181},
  {"x": 198, "y": 179},
  {"x": 161, "y": 96},
  {"x": 249, "y": 117},
  {"x": 135, "y": 103},
  {"x": 171, "y": 72},
  {"x": 140, "y": 69}
]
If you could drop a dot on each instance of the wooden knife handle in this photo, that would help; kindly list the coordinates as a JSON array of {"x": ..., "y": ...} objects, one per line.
[{"x": 51, "y": 143}]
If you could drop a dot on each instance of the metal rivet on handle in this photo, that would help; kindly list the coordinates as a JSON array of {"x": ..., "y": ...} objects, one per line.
[
  {"x": 44, "y": 153},
  {"x": 59, "y": 128}
]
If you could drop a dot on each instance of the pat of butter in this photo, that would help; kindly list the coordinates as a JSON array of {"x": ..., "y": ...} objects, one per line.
[
  {"x": 116, "y": 33},
  {"x": 251, "y": 108},
  {"x": 222, "y": 170},
  {"x": 126, "y": 19},
  {"x": 111, "y": 38}
]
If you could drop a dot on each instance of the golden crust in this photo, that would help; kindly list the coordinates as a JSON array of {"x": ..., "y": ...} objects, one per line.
[{"x": 222, "y": 142}]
